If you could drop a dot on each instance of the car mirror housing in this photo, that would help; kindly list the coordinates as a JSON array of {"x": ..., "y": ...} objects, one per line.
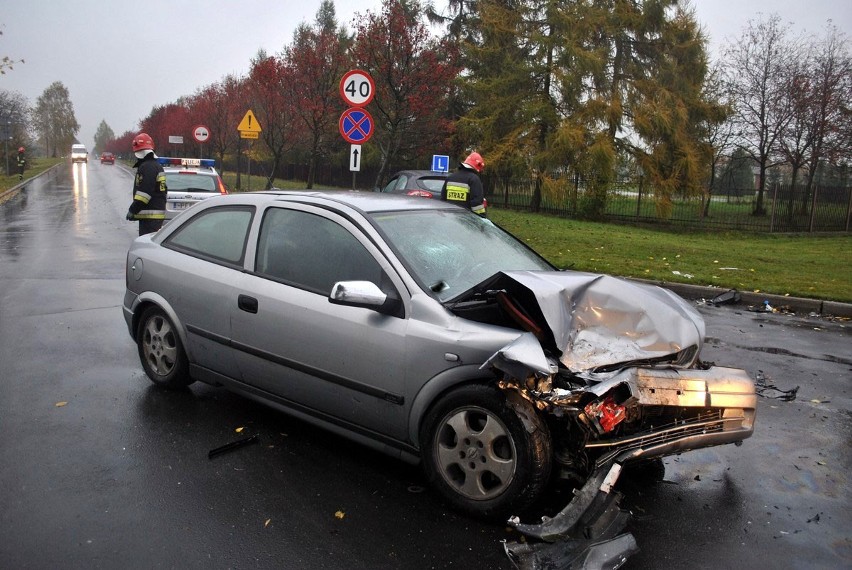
[{"x": 357, "y": 294}]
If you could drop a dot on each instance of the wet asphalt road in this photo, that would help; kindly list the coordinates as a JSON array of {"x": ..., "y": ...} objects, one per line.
[{"x": 98, "y": 469}]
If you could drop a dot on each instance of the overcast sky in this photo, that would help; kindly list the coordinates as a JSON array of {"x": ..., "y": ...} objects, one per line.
[{"x": 119, "y": 59}]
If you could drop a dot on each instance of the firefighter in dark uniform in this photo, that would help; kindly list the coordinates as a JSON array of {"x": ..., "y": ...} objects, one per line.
[
  {"x": 464, "y": 188},
  {"x": 22, "y": 163},
  {"x": 149, "y": 187}
]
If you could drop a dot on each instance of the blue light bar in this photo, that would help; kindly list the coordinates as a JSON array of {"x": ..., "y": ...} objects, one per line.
[{"x": 196, "y": 162}]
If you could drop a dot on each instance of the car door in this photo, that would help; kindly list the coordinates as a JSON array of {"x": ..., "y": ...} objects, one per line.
[
  {"x": 204, "y": 257},
  {"x": 340, "y": 363}
]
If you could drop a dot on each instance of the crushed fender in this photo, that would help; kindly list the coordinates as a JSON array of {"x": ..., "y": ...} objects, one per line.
[{"x": 586, "y": 534}]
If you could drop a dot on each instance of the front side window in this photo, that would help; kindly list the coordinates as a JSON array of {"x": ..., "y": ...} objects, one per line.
[
  {"x": 312, "y": 252},
  {"x": 217, "y": 233}
]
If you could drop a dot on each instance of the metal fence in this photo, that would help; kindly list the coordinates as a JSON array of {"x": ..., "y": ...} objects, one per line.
[
  {"x": 785, "y": 208},
  {"x": 632, "y": 200}
]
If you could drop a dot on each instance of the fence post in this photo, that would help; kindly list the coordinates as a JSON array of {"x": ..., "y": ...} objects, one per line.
[
  {"x": 813, "y": 209},
  {"x": 774, "y": 203},
  {"x": 639, "y": 197}
]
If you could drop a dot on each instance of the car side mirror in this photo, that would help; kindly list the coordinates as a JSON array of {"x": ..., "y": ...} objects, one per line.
[{"x": 364, "y": 294}]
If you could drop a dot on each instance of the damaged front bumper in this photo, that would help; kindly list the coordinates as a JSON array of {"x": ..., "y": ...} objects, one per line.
[
  {"x": 635, "y": 414},
  {"x": 695, "y": 408}
]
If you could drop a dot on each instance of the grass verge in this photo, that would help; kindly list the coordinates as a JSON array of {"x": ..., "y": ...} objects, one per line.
[
  {"x": 35, "y": 167},
  {"x": 801, "y": 266}
]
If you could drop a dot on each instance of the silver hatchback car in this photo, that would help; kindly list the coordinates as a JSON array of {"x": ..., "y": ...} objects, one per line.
[{"x": 420, "y": 329}]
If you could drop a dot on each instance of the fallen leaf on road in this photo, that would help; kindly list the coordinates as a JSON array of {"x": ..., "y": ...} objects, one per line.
[
  {"x": 60, "y": 404},
  {"x": 339, "y": 515}
]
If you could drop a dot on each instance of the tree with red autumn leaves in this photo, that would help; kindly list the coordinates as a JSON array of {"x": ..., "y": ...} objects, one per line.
[
  {"x": 318, "y": 59},
  {"x": 413, "y": 73},
  {"x": 169, "y": 120},
  {"x": 270, "y": 84},
  {"x": 219, "y": 108}
]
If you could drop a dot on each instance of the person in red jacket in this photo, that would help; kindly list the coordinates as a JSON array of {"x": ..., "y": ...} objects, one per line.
[
  {"x": 464, "y": 188},
  {"x": 149, "y": 187}
]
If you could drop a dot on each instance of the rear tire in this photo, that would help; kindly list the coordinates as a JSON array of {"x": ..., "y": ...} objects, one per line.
[
  {"x": 161, "y": 350},
  {"x": 485, "y": 456}
]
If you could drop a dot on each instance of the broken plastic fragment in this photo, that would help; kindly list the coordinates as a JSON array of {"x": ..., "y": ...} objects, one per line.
[
  {"x": 232, "y": 446},
  {"x": 729, "y": 296},
  {"x": 585, "y": 534}
]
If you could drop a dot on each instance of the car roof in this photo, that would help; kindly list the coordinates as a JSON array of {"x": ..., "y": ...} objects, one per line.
[
  {"x": 364, "y": 201},
  {"x": 420, "y": 173}
]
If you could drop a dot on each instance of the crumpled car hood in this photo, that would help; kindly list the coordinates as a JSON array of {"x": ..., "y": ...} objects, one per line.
[{"x": 596, "y": 321}]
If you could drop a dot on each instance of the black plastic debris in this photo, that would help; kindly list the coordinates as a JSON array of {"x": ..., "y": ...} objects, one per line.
[
  {"x": 232, "y": 446},
  {"x": 728, "y": 297},
  {"x": 766, "y": 390},
  {"x": 586, "y": 534}
]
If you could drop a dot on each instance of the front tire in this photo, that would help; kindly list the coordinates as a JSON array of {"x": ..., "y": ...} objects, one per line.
[
  {"x": 486, "y": 456},
  {"x": 161, "y": 350}
]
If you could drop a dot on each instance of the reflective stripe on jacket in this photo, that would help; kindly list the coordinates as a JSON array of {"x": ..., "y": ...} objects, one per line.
[
  {"x": 464, "y": 188},
  {"x": 149, "y": 190}
]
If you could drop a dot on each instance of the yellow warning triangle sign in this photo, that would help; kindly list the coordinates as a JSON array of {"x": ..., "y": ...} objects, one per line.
[{"x": 249, "y": 123}]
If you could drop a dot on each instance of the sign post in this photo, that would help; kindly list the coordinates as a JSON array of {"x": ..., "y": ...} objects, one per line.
[
  {"x": 200, "y": 133},
  {"x": 357, "y": 89},
  {"x": 249, "y": 129}
]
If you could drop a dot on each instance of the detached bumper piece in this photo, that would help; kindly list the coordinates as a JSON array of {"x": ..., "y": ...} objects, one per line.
[{"x": 586, "y": 534}]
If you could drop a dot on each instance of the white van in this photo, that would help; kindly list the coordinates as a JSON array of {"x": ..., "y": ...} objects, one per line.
[{"x": 79, "y": 153}]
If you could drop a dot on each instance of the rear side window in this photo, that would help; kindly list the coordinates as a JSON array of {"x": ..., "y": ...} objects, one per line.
[
  {"x": 217, "y": 233},
  {"x": 397, "y": 183},
  {"x": 312, "y": 252},
  {"x": 432, "y": 184},
  {"x": 190, "y": 182}
]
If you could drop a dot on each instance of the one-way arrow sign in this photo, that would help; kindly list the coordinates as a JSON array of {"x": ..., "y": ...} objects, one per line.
[{"x": 355, "y": 158}]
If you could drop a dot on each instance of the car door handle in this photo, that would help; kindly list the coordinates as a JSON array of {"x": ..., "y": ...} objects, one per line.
[{"x": 247, "y": 304}]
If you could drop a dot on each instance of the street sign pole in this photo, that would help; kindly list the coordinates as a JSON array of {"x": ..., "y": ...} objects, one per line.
[
  {"x": 249, "y": 128},
  {"x": 356, "y": 125}
]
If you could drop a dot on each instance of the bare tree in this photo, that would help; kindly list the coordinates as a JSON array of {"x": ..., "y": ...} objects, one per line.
[
  {"x": 797, "y": 138},
  {"x": 718, "y": 129},
  {"x": 754, "y": 70},
  {"x": 831, "y": 85}
]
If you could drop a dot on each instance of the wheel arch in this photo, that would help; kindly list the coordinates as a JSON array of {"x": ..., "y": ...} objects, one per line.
[
  {"x": 151, "y": 299},
  {"x": 435, "y": 388}
]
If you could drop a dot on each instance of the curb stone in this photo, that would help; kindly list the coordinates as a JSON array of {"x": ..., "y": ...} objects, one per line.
[{"x": 749, "y": 298}]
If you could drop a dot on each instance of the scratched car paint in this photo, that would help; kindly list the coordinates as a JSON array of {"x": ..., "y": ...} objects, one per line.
[{"x": 417, "y": 328}]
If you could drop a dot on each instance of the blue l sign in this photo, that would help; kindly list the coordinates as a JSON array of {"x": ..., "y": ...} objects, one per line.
[{"x": 440, "y": 163}]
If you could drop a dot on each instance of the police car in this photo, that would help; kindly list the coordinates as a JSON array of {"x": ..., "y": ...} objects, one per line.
[{"x": 189, "y": 180}]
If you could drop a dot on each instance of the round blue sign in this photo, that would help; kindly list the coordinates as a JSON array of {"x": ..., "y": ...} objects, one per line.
[{"x": 356, "y": 125}]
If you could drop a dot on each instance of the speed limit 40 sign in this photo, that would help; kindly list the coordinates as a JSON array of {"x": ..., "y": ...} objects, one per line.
[{"x": 357, "y": 88}]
